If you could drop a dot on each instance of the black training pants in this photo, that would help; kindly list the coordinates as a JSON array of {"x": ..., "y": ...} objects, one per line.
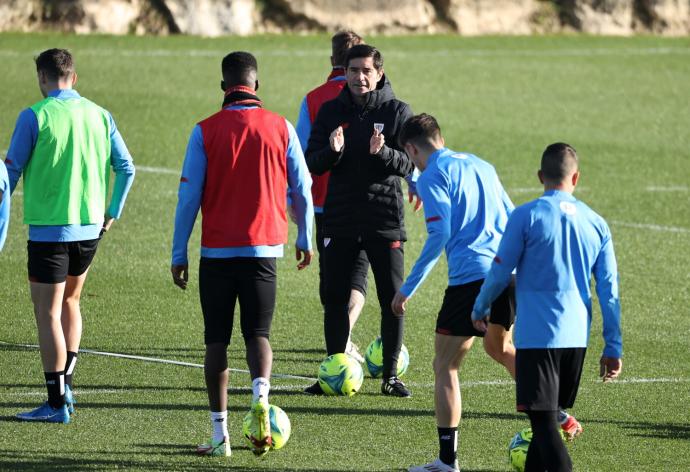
[
  {"x": 387, "y": 263},
  {"x": 546, "y": 450}
]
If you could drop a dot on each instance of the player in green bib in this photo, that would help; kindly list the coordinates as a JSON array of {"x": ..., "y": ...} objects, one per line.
[{"x": 65, "y": 146}]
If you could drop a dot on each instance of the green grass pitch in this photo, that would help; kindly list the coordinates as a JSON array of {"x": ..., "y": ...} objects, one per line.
[{"x": 623, "y": 103}]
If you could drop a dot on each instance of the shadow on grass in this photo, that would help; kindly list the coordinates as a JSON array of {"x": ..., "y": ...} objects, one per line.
[
  {"x": 336, "y": 410},
  {"x": 16, "y": 460},
  {"x": 648, "y": 429},
  {"x": 124, "y": 388},
  {"x": 480, "y": 415}
]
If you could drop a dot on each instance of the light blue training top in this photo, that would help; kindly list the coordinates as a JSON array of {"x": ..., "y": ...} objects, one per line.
[
  {"x": 21, "y": 149},
  {"x": 4, "y": 204},
  {"x": 466, "y": 210},
  {"x": 557, "y": 242}
]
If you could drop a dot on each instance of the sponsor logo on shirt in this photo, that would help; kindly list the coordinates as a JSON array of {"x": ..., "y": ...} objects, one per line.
[
  {"x": 326, "y": 242},
  {"x": 497, "y": 260},
  {"x": 184, "y": 179},
  {"x": 431, "y": 219}
]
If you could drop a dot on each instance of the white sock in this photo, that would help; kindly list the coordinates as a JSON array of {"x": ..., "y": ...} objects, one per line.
[
  {"x": 219, "y": 421},
  {"x": 260, "y": 388}
]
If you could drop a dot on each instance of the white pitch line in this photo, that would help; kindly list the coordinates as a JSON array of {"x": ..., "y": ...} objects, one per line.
[
  {"x": 673, "y": 188},
  {"x": 517, "y": 190},
  {"x": 156, "y": 170},
  {"x": 80, "y": 392},
  {"x": 507, "y": 383},
  {"x": 292, "y": 388},
  {"x": 159, "y": 361},
  {"x": 667, "y": 229}
]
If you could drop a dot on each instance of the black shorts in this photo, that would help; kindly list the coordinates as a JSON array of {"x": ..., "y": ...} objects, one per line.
[
  {"x": 360, "y": 270},
  {"x": 455, "y": 317},
  {"x": 222, "y": 282},
  {"x": 547, "y": 379},
  {"x": 52, "y": 262}
]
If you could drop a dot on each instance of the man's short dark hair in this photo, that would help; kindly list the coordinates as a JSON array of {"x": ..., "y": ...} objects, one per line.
[
  {"x": 420, "y": 129},
  {"x": 364, "y": 50},
  {"x": 239, "y": 68},
  {"x": 55, "y": 63},
  {"x": 558, "y": 161},
  {"x": 341, "y": 42}
]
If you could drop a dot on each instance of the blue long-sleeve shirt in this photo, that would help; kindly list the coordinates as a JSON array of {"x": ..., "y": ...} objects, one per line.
[
  {"x": 4, "y": 204},
  {"x": 466, "y": 210},
  {"x": 557, "y": 242},
  {"x": 190, "y": 194},
  {"x": 21, "y": 149}
]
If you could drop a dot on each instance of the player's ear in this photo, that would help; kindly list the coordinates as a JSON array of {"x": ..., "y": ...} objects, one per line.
[
  {"x": 541, "y": 176},
  {"x": 74, "y": 79},
  {"x": 223, "y": 87},
  {"x": 380, "y": 74},
  {"x": 575, "y": 177}
]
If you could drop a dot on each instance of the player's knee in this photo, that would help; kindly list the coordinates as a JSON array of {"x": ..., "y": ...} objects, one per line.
[
  {"x": 72, "y": 301},
  {"x": 497, "y": 347},
  {"x": 493, "y": 349},
  {"x": 443, "y": 365}
]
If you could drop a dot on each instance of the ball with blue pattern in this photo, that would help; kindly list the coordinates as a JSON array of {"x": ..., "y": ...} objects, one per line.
[
  {"x": 280, "y": 426},
  {"x": 517, "y": 449},
  {"x": 340, "y": 374},
  {"x": 374, "y": 359}
]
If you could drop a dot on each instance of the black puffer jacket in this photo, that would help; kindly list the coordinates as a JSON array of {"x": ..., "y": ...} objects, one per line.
[{"x": 365, "y": 197}]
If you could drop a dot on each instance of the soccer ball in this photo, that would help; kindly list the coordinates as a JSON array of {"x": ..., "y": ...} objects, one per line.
[
  {"x": 374, "y": 359},
  {"x": 280, "y": 426},
  {"x": 340, "y": 374},
  {"x": 517, "y": 449}
]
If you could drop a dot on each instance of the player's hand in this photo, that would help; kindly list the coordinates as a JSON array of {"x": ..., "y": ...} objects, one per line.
[
  {"x": 398, "y": 303},
  {"x": 304, "y": 257},
  {"x": 107, "y": 223},
  {"x": 482, "y": 324},
  {"x": 337, "y": 139},
  {"x": 180, "y": 275},
  {"x": 610, "y": 368},
  {"x": 418, "y": 204},
  {"x": 376, "y": 142}
]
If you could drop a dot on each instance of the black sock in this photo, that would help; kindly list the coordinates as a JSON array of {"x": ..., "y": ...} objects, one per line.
[
  {"x": 546, "y": 438},
  {"x": 448, "y": 445},
  {"x": 69, "y": 367},
  {"x": 55, "y": 382}
]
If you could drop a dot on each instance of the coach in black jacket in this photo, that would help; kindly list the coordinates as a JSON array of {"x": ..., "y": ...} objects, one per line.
[{"x": 355, "y": 137}]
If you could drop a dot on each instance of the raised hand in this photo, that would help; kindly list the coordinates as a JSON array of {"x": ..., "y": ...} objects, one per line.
[
  {"x": 376, "y": 142},
  {"x": 337, "y": 139}
]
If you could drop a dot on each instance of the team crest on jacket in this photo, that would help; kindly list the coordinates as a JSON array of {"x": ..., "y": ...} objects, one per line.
[{"x": 568, "y": 208}]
